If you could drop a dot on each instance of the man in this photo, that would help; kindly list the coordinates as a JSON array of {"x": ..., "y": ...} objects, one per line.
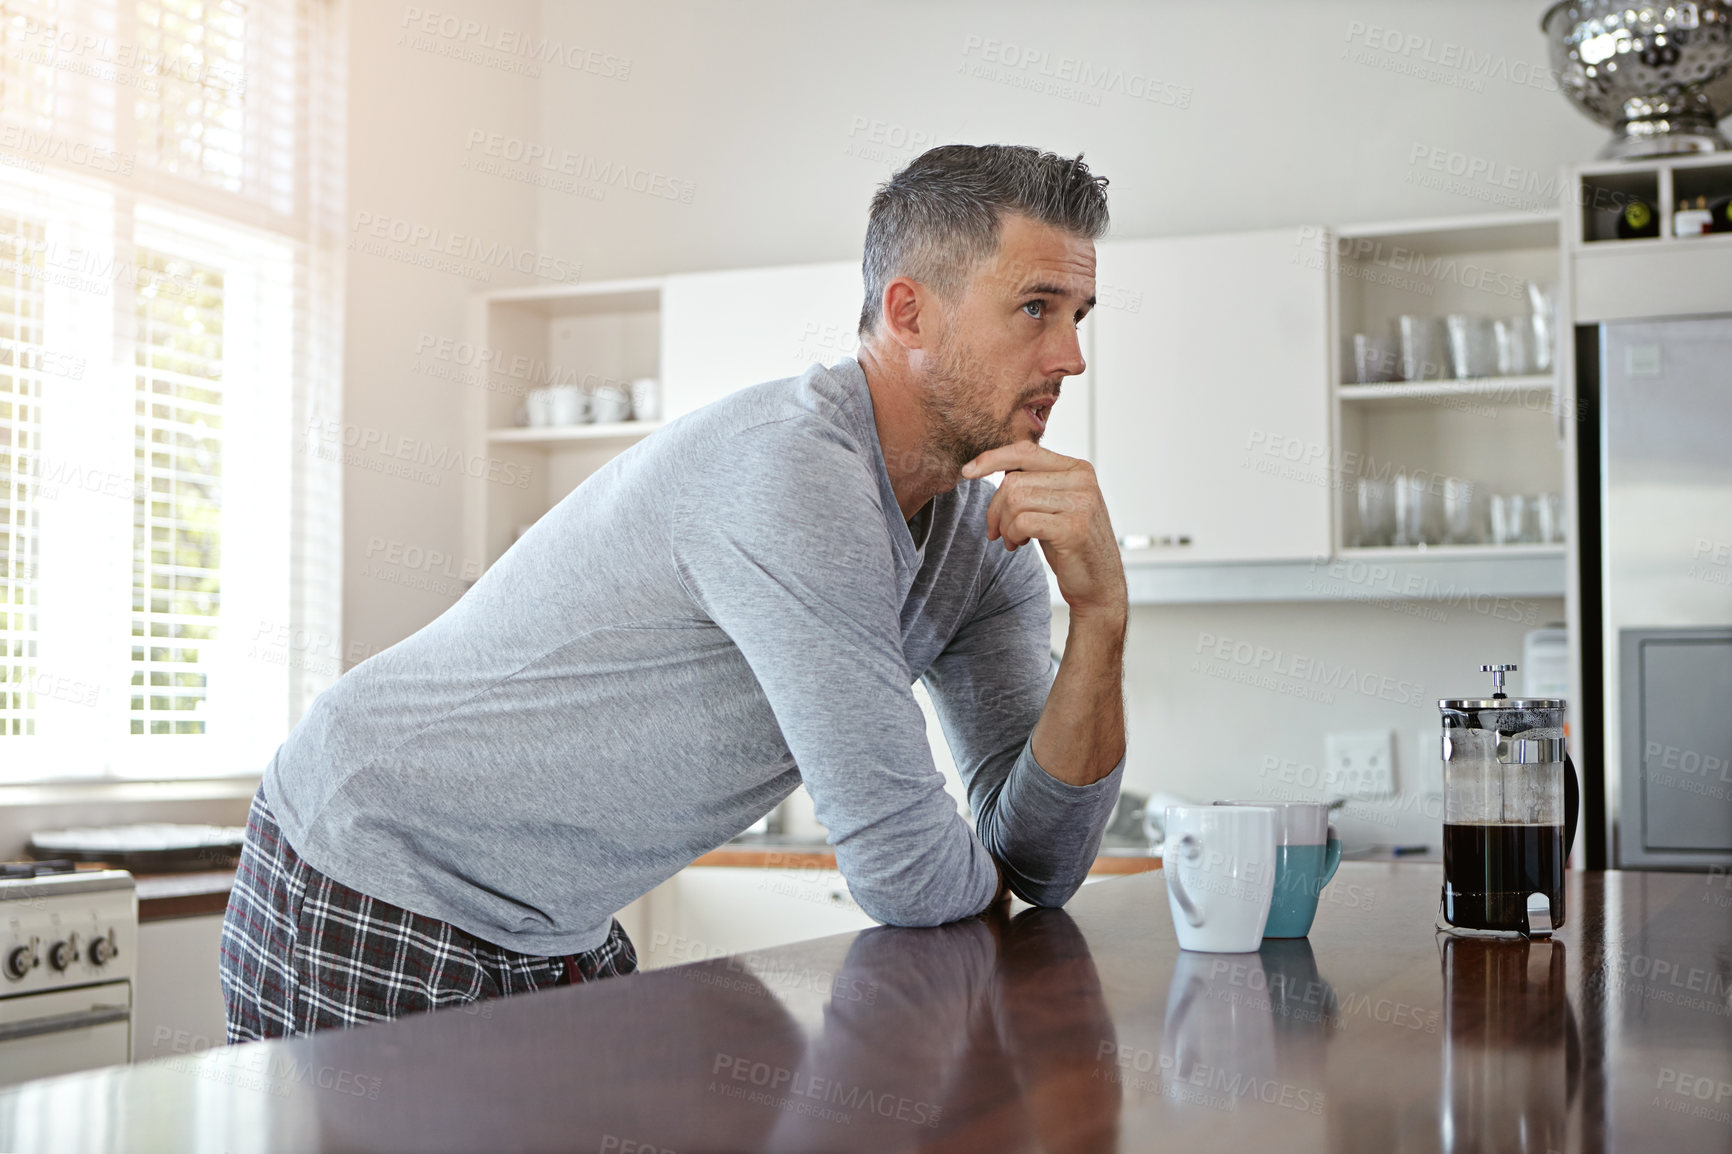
[{"x": 735, "y": 605}]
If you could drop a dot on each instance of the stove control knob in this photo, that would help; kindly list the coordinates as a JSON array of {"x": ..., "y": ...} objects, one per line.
[
  {"x": 62, "y": 954},
  {"x": 102, "y": 951},
  {"x": 20, "y": 962}
]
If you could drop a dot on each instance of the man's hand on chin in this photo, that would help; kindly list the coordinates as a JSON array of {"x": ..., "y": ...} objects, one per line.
[{"x": 1054, "y": 499}]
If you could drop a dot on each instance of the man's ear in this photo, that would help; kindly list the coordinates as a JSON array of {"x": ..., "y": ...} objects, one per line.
[{"x": 906, "y": 313}]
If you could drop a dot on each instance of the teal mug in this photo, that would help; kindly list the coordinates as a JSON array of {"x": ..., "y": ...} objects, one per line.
[{"x": 1306, "y": 855}]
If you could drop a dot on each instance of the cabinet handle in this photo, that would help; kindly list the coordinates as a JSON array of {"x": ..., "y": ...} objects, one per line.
[{"x": 1140, "y": 541}]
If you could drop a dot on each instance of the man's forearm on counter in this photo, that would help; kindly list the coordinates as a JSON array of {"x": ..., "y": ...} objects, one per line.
[{"x": 1080, "y": 736}]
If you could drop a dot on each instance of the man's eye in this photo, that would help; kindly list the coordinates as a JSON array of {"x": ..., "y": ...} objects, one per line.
[{"x": 1035, "y": 308}]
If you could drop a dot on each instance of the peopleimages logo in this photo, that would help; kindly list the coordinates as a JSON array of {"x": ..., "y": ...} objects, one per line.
[
  {"x": 463, "y": 38},
  {"x": 384, "y": 451},
  {"x": 799, "y": 1091},
  {"x": 1070, "y": 77},
  {"x": 1444, "y": 61},
  {"x": 533, "y": 154},
  {"x": 1303, "y": 671},
  {"x": 428, "y": 246}
]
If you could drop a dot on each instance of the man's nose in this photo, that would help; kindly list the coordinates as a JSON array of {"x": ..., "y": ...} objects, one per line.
[{"x": 1068, "y": 357}]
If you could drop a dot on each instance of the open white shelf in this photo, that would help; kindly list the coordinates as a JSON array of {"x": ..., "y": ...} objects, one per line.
[
  {"x": 1445, "y": 552},
  {"x": 1456, "y": 235},
  {"x": 1454, "y": 575},
  {"x": 1506, "y": 390},
  {"x": 557, "y": 434},
  {"x": 637, "y": 293},
  {"x": 1500, "y": 433},
  {"x": 594, "y": 335}
]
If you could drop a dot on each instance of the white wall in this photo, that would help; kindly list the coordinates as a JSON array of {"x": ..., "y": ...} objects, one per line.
[
  {"x": 1233, "y": 701},
  {"x": 411, "y": 106},
  {"x": 759, "y": 105}
]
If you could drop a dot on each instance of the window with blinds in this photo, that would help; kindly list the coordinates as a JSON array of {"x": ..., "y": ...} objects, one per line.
[
  {"x": 21, "y": 308},
  {"x": 191, "y": 118},
  {"x": 177, "y": 503},
  {"x": 27, "y": 72},
  {"x": 169, "y": 317}
]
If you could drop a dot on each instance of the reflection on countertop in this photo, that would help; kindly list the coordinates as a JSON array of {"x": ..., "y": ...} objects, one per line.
[{"x": 1082, "y": 1029}]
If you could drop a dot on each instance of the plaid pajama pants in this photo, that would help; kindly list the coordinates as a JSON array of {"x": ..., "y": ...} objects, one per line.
[{"x": 301, "y": 952}]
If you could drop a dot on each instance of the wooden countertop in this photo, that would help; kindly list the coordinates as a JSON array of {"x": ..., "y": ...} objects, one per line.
[
  {"x": 773, "y": 853},
  {"x": 183, "y": 895},
  {"x": 1083, "y": 1030}
]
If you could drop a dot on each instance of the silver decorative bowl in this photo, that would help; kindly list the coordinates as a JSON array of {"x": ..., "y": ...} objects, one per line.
[{"x": 1660, "y": 75}]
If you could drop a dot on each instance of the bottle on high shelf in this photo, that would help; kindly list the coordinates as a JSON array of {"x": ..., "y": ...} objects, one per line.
[
  {"x": 1638, "y": 219},
  {"x": 1720, "y": 215},
  {"x": 1691, "y": 220}
]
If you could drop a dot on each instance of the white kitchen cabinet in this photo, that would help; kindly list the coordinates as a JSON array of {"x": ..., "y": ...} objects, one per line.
[
  {"x": 710, "y": 911},
  {"x": 1212, "y": 396},
  {"x": 723, "y": 331},
  {"x": 178, "y": 1001}
]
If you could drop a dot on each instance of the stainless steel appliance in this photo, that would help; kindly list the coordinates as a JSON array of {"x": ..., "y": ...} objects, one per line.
[
  {"x": 1655, "y": 487},
  {"x": 1509, "y": 812},
  {"x": 68, "y": 954}
]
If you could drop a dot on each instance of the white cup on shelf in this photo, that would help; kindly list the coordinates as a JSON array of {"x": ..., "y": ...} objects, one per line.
[
  {"x": 646, "y": 399},
  {"x": 570, "y": 405},
  {"x": 539, "y": 407},
  {"x": 612, "y": 403}
]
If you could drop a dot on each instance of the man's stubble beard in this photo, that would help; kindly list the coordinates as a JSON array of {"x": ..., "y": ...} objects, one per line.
[{"x": 960, "y": 424}]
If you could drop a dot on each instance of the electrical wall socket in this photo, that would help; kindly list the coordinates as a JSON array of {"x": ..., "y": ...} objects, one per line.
[{"x": 1360, "y": 763}]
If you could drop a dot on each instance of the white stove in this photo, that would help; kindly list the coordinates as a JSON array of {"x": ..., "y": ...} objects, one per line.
[{"x": 68, "y": 957}]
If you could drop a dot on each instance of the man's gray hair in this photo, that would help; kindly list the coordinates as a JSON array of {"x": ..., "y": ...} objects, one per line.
[{"x": 938, "y": 218}]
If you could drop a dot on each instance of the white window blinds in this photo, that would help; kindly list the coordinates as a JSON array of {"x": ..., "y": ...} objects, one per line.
[
  {"x": 21, "y": 305},
  {"x": 177, "y": 507},
  {"x": 170, "y": 223}
]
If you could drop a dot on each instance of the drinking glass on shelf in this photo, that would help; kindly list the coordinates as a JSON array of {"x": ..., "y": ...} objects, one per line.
[
  {"x": 1374, "y": 359},
  {"x": 1549, "y": 513},
  {"x": 1540, "y": 301},
  {"x": 1472, "y": 351},
  {"x": 1421, "y": 351},
  {"x": 1414, "y": 524},
  {"x": 1513, "y": 336},
  {"x": 1509, "y": 519},
  {"x": 1460, "y": 525},
  {"x": 1374, "y": 501}
]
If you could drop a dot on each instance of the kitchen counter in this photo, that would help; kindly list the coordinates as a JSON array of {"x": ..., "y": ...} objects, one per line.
[
  {"x": 1085, "y": 1029},
  {"x": 183, "y": 895},
  {"x": 773, "y": 851}
]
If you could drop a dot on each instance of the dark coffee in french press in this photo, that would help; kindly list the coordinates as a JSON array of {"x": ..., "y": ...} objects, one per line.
[{"x": 1508, "y": 808}]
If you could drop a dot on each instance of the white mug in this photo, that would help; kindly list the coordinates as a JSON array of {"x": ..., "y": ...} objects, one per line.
[
  {"x": 612, "y": 403},
  {"x": 570, "y": 405},
  {"x": 1220, "y": 867},
  {"x": 646, "y": 402}
]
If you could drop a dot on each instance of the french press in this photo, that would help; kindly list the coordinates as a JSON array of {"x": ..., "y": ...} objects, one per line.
[{"x": 1509, "y": 813}]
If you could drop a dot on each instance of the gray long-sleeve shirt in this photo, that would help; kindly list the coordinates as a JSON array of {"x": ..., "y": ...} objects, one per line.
[{"x": 730, "y": 606}]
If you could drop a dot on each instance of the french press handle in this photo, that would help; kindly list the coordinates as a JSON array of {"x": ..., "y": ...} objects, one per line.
[{"x": 1572, "y": 805}]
